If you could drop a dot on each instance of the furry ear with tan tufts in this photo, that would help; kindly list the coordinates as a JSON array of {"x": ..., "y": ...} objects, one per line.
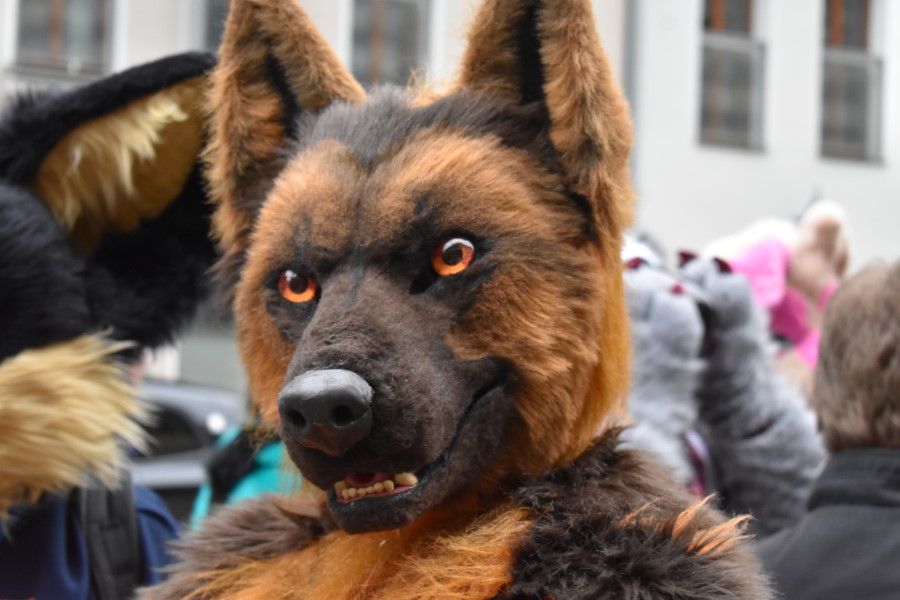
[
  {"x": 526, "y": 51},
  {"x": 104, "y": 248},
  {"x": 274, "y": 64},
  {"x": 108, "y": 177}
]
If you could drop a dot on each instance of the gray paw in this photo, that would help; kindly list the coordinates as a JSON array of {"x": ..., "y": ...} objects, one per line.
[
  {"x": 664, "y": 316},
  {"x": 727, "y": 295}
]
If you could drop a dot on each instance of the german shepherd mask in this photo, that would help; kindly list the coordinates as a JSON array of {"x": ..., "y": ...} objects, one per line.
[
  {"x": 429, "y": 302},
  {"x": 428, "y": 289}
]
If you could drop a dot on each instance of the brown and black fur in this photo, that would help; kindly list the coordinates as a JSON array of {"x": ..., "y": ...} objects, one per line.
[{"x": 492, "y": 384}]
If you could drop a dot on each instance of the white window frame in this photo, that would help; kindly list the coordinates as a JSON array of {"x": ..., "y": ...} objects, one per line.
[
  {"x": 426, "y": 29},
  {"x": 753, "y": 46},
  {"x": 870, "y": 59}
]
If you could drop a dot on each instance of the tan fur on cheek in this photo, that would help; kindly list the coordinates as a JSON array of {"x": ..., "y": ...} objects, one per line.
[
  {"x": 308, "y": 204},
  {"x": 566, "y": 336},
  {"x": 264, "y": 352},
  {"x": 63, "y": 411}
]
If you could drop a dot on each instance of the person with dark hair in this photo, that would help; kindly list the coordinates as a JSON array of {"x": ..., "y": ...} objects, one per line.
[{"x": 847, "y": 543}]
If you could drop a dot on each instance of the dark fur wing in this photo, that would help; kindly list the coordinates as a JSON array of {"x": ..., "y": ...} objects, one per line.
[
  {"x": 145, "y": 284},
  {"x": 140, "y": 283},
  {"x": 44, "y": 309}
]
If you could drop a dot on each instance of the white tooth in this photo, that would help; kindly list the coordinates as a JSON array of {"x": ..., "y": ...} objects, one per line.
[
  {"x": 352, "y": 492},
  {"x": 379, "y": 487},
  {"x": 339, "y": 487},
  {"x": 361, "y": 492},
  {"x": 346, "y": 494},
  {"x": 370, "y": 489},
  {"x": 406, "y": 479},
  {"x": 388, "y": 486}
]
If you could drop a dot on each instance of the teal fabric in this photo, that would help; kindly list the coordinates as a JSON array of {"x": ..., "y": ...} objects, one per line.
[{"x": 270, "y": 474}]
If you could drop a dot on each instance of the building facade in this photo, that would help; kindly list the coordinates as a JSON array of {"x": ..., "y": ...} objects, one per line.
[{"x": 747, "y": 109}]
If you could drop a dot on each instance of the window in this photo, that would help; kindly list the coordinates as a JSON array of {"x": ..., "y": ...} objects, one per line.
[
  {"x": 731, "y": 103},
  {"x": 847, "y": 23},
  {"x": 390, "y": 40},
  {"x": 66, "y": 35},
  {"x": 728, "y": 15},
  {"x": 851, "y": 83}
]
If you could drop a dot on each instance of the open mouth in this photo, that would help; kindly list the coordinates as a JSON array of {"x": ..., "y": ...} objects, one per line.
[
  {"x": 361, "y": 485},
  {"x": 375, "y": 498},
  {"x": 384, "y": 487}
]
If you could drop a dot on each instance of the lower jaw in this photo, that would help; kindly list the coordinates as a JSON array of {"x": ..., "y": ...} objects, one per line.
[
  {"x": 380, "y": 513},
  {"x": 453, "y": 475},
  {"x": 390, "y": 510},
  {"x": 346, "y": 495},
  {"x": 454, "y": 510}
]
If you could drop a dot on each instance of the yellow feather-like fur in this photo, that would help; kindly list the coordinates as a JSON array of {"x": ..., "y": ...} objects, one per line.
[
  {"x": 123, "y": 167},
  {"x": 64, "y": 409}
]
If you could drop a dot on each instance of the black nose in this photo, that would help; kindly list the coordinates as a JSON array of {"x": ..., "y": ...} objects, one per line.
[{"x": 329, "y": 410}]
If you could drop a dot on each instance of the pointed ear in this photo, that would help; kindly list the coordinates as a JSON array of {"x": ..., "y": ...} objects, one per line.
[
  {"x": 526, "y": 51},
  {"x": 273, "y": 65},
  {"x": 117, "y": 165},
  {"x": 111, "y": 154}
]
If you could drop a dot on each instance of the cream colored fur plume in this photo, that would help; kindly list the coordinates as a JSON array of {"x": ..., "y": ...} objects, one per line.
[
  {"x": 104, "y": 175},
  {"x": 64, "y": 411}
]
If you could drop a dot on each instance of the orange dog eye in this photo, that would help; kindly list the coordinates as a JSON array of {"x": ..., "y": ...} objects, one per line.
[
  {"x": 453, "y": 256},
  {"x": 297, "y": 288}
]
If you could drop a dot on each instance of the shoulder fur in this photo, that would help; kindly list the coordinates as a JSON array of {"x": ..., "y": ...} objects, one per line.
[
  {"x": 613, "y": 526},
  {"x": 256, "y": 530}
]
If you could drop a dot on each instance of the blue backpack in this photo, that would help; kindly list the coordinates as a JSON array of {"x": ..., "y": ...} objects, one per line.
[{"x": 92, "y": 544}]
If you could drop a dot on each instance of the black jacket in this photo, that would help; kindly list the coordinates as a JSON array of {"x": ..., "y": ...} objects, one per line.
[{"x": 847, "y": 546}]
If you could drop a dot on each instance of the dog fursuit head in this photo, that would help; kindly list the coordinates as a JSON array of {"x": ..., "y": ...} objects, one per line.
[{"x": 430, "y": 306}]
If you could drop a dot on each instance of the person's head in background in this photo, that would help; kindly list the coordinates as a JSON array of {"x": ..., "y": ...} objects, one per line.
[{"x": 857, "y": 379}]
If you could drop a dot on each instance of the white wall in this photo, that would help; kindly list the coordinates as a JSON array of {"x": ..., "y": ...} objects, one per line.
[
  {"x": 447, "y": 37},
  {"x": 8, "y": 20},
  {"x": 691, "y": 193},
  {"x": 611, "y": 16},
  {"x": 144, "y": 30},
  {"x": 334, "y": 18},
  {"x": 451, "y": 18}
]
